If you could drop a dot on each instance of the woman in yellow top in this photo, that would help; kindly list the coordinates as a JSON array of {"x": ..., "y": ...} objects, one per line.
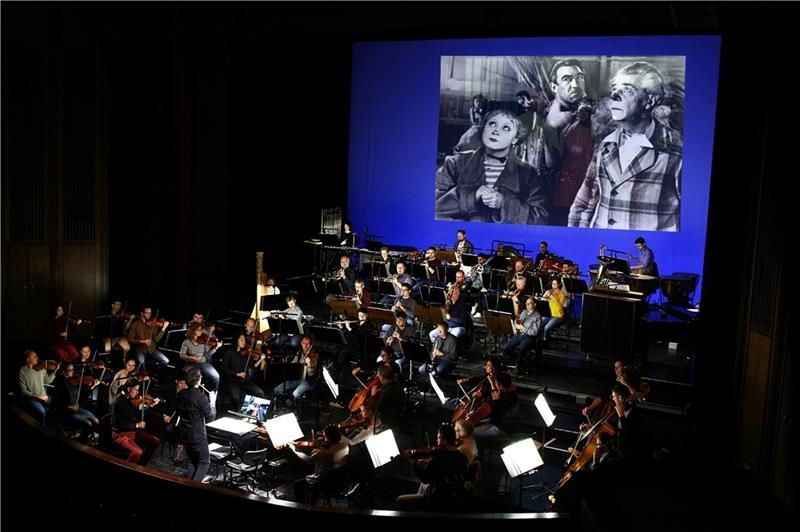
[{"x": 556, "y": 298}]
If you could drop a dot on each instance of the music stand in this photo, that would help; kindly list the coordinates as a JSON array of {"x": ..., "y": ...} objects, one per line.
[
  {"x": 348, "y": 307},
  {"x": 501, "y": 304},
  {"x": 435, "y": 295},
  {"x": 548, "y": 417},
  {"x": 575, "y": 286},
  {"x": 499, "y": 323},
  {"x": 414, "y": 352},
  {"x": 382, "y": 448},
  {"x": 522, "y": 459},
  {"x": 283, "y": 429},
  {"x": 437, "y": 389},
  {"x": 332, "y": 386},
  {"x": 273, "y": 301},
  {"x": 430, "y": 316},
  {"x": 380, "y": 316}
]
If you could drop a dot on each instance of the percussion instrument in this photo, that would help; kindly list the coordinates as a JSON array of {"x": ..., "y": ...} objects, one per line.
[
  {"x": 646, "y": 284},
  {"x": 678, "y": 288},
  {"x": 552, "y": 264}
]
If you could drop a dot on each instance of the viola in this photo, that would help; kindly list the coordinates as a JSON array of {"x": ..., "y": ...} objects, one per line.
[
  {"x": 212, "y": 341},
  {"x": 145, "y": 399}
]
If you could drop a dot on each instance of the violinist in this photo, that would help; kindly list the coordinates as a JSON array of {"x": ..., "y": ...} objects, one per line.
[
  {"x": 120, "y": 321},
  {"x": 66, "y": 402},
  {"x": 194, "y": 411},
  {"x": 127, "y": 429},
  {"x": 87, "y": 366},
  {"x": 465, "y": 441},
  {"x": 198, "y": 355},
  {"x": 526, "y": 327},
  {"x": 327, "y": 459},
  {"x": 623, "y": 375},
  {"x": 56, "y": 331},
  {"x": 237, "y": 371},
  {"x": 127, "y": 374},
  {"x": 387, "y": 359},
  {"x": 144, "y": 334},
  {"x": 444, "y": 352},
  {"x": 31, "y": 380},
  {"x": 307, "y": 356},
  {"x": 445, "y": 472},
  {"x": 253, "y": 337}
]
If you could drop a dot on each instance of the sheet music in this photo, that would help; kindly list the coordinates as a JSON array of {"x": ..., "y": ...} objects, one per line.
[
  {"x": 334, "y": 388},
  {"x": 437, "y": 389}
]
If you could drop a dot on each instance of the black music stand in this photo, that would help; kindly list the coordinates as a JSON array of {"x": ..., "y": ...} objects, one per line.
[
  {"x": 273, "y": 302},
  {"x": 575, "y": 286},
  {"x": 414, "y": 352},
  {"x": 500, "y": 304},
  {"x": 327, "y": 335},
  {"x": 435, "y": 295},
  {"x": 348, "y": 307},
  {"x": 498, "y": 323}
]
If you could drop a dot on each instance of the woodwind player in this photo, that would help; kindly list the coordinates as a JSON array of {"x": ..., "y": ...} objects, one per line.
[{"x": 526, "y": 328}]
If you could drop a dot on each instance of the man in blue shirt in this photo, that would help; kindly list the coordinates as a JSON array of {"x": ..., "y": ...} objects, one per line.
[{"x": 646, "y": 258}]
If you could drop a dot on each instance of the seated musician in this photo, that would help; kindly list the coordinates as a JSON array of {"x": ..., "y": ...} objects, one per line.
[
  {"x": 120, "y": 320},
  {"x": 465, "y": 441},
  {"x": 444, "y": 470},
  {"x": 526, "y": 331},
  {"x": 128, "y": 426},
  {"x": 327, "y": 459},
  {"x": 401, "y": 278},
  {"x": 144, "y": 338},
  {"x": 344, "y": 278},
  {"x": 32, "y": 379},
  {"x": 556, "y": 298},
  {"x": 126, "y": 374},
  {"x": 356, "y": 338},
  {"x": 646, "y": 258},
  {"x": 457, "y": 305},
  {"x": 86, "y": 365},
  {"x": 462, "y": 245},
  {"x": 361, "y": 295},
  {"x": 517, "y": 270},
  {"x": 544, "y": 252},
  {"x": 384, "y": 262},
  {"x": 432, "y": 265},
  {"x": 390, "y": 398},
  {"x": 397, "y": 334},
  {"x": 623, "y": 375},
  {"x": 307, "y": 356},
  {"x": 254, "y": 338},
  {"x": 291, "y": 312},
  {"x": 197, "y": 354},
  {"x": 504, "y": 401},
  {"x": 385, "y": 358},
  {"x": 444, "y": 353},
  {"x": 628, "y": 424},
  {"x": 56, "y": 330},
  {"x": 67, "y": 404},
  {"x": 370, "y": 422}
]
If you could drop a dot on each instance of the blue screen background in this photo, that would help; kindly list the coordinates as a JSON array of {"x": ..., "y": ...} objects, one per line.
[{"x": 393, "y": 141}]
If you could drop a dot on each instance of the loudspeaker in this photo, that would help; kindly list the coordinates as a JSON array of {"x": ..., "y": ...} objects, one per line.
[{"x": 610, "y": 325}]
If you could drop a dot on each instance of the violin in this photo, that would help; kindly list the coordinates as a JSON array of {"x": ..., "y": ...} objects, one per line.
[
  {"x": 50, "y": 365},
  {"x": 156, "y": 323},
  {"x": 211, "y": 341},
  {"x": 253, "y": 352},
  {"x": 423, "y": 452},
  {"x": 146, "y": 399},
  {"x": 87, "y": 380}
]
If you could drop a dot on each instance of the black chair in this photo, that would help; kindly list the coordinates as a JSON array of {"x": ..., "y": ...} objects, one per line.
[
  {"x": 247, "y": 468},
  {"x": 106, "y": 442},
  {"x": 336, "y": 485}
]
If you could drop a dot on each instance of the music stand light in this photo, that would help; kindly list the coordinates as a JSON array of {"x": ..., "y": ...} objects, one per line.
[
  {"x": 332, "y": 386},
  {"x": 437, "y": 389},
  {"x": 283, "y": 429},
  {"x": 382, "y": 448}
]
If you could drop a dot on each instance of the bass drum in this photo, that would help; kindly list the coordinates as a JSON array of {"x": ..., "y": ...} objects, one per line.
[
  {"x": 646, "y": 284},
  {"x": 679, "y": 287}
]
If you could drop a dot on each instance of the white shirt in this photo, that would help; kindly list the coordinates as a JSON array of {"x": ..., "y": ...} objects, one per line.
[{"x": 631, "y": 145}]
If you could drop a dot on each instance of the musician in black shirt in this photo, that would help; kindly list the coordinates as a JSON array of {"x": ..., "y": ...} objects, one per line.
[
  {"x": 543, "y": 253},
  {"x": 194, "y": 411},
  {"x": 238, "y": 371}
]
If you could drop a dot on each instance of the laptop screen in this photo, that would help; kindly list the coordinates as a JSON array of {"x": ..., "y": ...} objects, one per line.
[{"x": 255, "y": 407}]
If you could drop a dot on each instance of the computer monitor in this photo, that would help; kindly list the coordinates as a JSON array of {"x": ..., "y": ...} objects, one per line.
[{"x": 256, "y": 408}]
